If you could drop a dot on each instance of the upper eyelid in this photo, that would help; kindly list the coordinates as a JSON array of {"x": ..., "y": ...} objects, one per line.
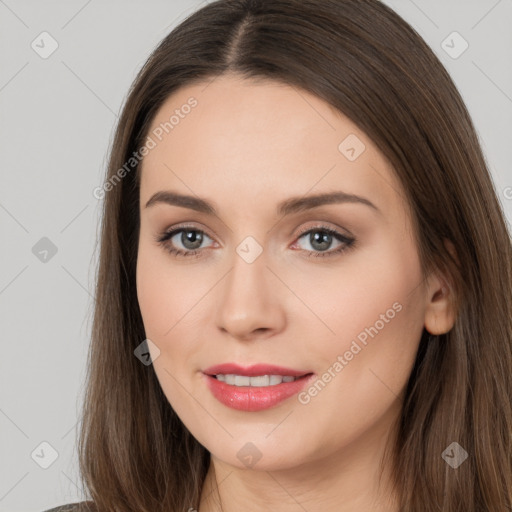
[{"x": 175, "y": 230}]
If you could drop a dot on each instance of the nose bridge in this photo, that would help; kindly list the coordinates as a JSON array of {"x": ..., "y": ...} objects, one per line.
[
  {"x": 249, "y": 300},
  {"x": 247, "y": 279}
]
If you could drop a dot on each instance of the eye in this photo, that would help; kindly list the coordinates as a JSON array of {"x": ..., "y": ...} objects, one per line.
[
  {"x": 190, "y": 238},
  {"x": 320, "y": 238}
]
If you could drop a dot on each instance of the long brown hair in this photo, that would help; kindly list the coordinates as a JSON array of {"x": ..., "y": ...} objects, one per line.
[{"x": 367, "y": 62}]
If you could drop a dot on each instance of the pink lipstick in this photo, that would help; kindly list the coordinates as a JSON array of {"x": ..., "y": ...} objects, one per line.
[{"x": 256, "y": 387}]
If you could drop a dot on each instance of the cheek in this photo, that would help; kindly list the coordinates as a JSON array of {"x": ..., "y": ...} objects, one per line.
[
  {"x": 173, "y": 300},
  {"x": 167, "y": 295},
  {"x": 370, "y": 309},
  {"x": 361, "y": 285},
  {"x": 391, "y": 335},
  {"x": 376, "y": 313},
  {"x": 166, "y": 299},
  {"x": 151, "y": 293}
]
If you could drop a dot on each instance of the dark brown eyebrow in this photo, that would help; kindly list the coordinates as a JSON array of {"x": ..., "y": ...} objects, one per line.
[{"x": 287, "y": 207}]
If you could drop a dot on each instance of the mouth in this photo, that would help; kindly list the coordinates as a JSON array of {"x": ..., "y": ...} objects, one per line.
[{"x": 256, "y": 387}]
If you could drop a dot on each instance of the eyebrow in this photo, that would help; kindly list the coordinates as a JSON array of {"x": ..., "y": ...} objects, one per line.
[{"x": 287, "y": 207}]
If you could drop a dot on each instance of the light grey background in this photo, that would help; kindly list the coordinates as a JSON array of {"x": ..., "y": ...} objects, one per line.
[{"x": 57, "y": 116}]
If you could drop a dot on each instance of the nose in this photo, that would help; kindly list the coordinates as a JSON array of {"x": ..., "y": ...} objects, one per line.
[{"x": 252, "y": 302}]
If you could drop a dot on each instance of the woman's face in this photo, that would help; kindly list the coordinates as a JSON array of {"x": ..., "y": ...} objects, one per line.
[{"x": 267, "y": 284}]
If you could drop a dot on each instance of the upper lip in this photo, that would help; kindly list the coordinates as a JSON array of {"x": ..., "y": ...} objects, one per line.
[{"x": 253, "y": 370}]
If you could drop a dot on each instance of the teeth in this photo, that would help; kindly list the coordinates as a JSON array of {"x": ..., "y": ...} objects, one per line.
[
  {"x": 275, "y": 379},
  {"x": 258, "y": 381}
]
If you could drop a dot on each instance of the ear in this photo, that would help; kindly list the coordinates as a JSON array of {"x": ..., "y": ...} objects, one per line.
[{"x": 440, "y": 311}]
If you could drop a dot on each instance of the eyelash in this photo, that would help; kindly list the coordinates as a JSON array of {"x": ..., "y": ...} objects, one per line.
[{"x": 349, "y": 242}]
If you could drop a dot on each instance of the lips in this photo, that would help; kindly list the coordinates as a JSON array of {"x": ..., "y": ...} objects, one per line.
[{"x": 254, "y": 398}]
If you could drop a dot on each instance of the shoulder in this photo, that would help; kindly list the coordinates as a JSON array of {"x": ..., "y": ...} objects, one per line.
[{"x": 81, "y": 506}]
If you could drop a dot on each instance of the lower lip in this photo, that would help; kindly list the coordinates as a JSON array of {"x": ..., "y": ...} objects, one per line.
[{"x": 253, "y": 398}]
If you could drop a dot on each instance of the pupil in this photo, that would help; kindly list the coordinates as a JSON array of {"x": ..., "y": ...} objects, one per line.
[
  {"x": 322, "y": 238},
  {"x": 193, "y": 237}
]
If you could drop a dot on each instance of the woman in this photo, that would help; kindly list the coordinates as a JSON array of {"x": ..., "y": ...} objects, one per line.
[{"x": 304, "y": 288}]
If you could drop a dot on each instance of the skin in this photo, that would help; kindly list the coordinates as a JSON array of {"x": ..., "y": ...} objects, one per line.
[{"x": 245, "y": 147}]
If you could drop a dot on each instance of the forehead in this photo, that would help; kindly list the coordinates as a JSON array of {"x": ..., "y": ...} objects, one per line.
[{"x": 263, "y": 139}]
